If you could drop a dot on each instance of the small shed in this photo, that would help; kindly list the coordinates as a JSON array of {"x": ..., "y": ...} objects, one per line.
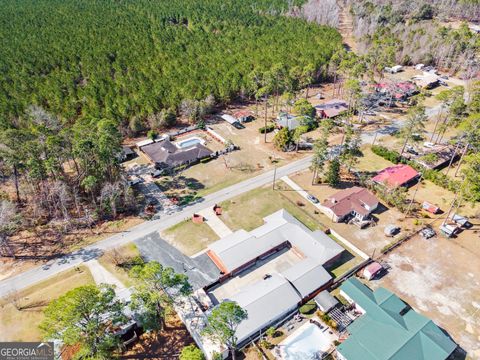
[
  {"x": 325, "y": 301},
  {"x": 461, "y": 221},
  {"x": 448, "y": 230},
  {"x": 229, "y": 118},
  {"x": 127, "y": 153},
  {"x": 430, "y": 207},
  {"x": 370, "y": 271},
  {"x": 244, "y": 116}
]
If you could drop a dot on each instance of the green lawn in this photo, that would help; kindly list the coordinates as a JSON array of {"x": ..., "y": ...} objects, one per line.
[
  {"x": 248, "y": 210},
  {"x": 190, "y": 238},
  {"x": 119, "y": 261}
]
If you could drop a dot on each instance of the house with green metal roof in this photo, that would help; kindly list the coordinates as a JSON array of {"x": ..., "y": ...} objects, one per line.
[{"x": 389, "y": 329}]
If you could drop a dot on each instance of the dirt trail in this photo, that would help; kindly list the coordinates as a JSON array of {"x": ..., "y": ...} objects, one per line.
[{"x": 345, "y": 26}]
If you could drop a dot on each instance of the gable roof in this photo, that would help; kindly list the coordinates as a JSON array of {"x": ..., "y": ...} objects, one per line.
[
  {"x": 325, "y": 300},
  {"x": 307, "y": 276},
  {"x": 395, "y": 176},
  {"x": 353, "y": 199},
  {"x": 390, "y": 329},
  {"x": 265, "y": 301},
  {"x": 289, "y": 121}
]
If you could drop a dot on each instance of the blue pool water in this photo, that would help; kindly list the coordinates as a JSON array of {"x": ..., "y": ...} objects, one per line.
[{"x": 189, "y": 142}]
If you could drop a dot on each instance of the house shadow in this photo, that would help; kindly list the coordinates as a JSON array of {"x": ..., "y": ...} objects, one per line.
[
  {"x": 345, "y": 257},
  {"x": 459, "y": 353},
  {"x": 381, "y": 208}
]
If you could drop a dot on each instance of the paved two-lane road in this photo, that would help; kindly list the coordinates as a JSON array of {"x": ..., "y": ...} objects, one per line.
[{"x": 90, "y": 252}]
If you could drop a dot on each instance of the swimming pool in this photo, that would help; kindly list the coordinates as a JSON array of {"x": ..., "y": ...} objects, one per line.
[
  {"x": 306, "y": 343},
  {"x": 189, "y": 142}
]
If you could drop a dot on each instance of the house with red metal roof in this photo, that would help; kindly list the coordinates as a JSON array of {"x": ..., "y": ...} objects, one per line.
[
  {"x": 395, "y": 176},
  {"x": 357, "y": 202}
]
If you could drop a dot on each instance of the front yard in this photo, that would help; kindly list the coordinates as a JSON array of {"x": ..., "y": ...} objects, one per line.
[
  {"x": 22, "y": 312},
  {"x": 188, "y": 237},
  {"x": 119, "y": 261},
  {"x": 248, "y": 210}
]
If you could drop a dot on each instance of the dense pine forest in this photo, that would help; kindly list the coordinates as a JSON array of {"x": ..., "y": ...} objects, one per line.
[
  {"x": 119, "y": 59},
  {"x": 79, "y": 76}
]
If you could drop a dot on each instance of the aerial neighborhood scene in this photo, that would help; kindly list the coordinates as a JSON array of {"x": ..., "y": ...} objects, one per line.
[{"x": 254, "y": 179}]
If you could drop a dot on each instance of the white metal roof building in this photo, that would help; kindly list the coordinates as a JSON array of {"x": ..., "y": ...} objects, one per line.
[
  {"x": 265, "y": 301},
  {"x": 242, "y": 247},
  {"x": 278, "y": 293},
  {"x": 229, "y": 118},
  {"x": 306, "y": 276},
  {"x": 325, "y": 301}
]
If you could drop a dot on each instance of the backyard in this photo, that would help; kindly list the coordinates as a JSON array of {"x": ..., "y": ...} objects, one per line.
[{"x": 371, "y": 239}]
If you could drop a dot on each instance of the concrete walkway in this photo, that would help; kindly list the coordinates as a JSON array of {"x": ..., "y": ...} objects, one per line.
[
  {"x": 214, "y": 221},
  {"x": 103, "y": 276}
]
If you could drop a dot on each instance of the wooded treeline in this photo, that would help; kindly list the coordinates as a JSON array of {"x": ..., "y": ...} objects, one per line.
[
  {"x": 78, "y": 76},
  {"x": 419, "y": 32},
  {"x": 120, "y": 59}
]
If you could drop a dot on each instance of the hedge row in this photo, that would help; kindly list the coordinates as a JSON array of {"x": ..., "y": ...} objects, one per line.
[
  {"x": 390, "y": 155},
  {"x": 267, "y": 129}
]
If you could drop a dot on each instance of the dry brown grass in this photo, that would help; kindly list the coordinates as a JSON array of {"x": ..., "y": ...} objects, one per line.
[{"x": 22, "y": 312}]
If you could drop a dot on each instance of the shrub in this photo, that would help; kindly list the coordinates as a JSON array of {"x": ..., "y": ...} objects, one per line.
[
  {"x": 271, "y": 331},
  {"x": 205, "y": 160},
  {"x": 387, "y": 154},
  {"x": 266, "y": 344},
  {"x": 267, "y": 129},
  {"x": 191, "y": 352},
  {"x": 308, "y": 308},
  {"x": 152, "y": 134}
]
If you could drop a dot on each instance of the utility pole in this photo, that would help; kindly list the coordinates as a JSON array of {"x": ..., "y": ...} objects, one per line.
[
  {"x": 414, "y": 194},
  {"x": 375, "y": 137},
  {"x": 454, "y": 155},
  {"x": 266, "y": 110},
  {"x": 274, "y": 176},
  {"x": 451, "y": 208}
]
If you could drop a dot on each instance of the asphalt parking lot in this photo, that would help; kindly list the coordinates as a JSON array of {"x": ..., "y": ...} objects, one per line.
[{"x": 201, "y": 271}]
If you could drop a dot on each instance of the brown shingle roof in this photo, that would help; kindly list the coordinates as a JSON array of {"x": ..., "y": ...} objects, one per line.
[{"x": 352, "y": 199}]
